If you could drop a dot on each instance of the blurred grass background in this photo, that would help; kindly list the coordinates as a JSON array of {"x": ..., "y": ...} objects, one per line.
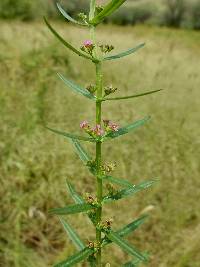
[{"x": 34, "y": 163}]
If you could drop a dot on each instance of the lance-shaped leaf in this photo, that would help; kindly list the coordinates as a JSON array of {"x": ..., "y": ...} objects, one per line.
[
  {"x": 76, "y": 258},
  {"x": 129, "y": 228},
  {"x": 75, "y": 196},
  {"x": 68, "y": 17},
  {"x": 65, "y": 43},
  {"x": 129, "y": 191},
  {"x": 72, "y": 136},
  {"x": 72, "y": 209},
  {"x": 73, "y": 235},
  {"x": 115, "y": 238},
  {"x": 115, "y": 180},
  {"x": 131, "y": 96},
  {"x": 108, "y": 9},
  {"x": 83, "y": 155},
  {"x": 76, "y": 88},
  {"x": 78, "y": 199},
  {"x": 127, "y": 128},
  {"x": 125, "y": 53},
  {"x": 135, "y": 263}
]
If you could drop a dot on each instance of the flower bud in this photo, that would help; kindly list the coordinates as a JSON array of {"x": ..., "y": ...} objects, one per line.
[
  {"x": 110, "y": 90},
  {"x": 91, "y": 88}
]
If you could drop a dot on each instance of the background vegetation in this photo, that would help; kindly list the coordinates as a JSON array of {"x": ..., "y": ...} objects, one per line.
[
  {"x": 173, "y": 13},
  {"x": 34, "y": 162}
]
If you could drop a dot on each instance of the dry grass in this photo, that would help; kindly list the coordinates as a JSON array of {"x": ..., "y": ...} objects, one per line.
[{"x": 35, "y": 163}]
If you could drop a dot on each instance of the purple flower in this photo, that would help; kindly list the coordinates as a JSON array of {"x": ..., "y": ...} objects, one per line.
[
  {"x": 84, "y": 124},
  {"x": 87, "y": 43}
]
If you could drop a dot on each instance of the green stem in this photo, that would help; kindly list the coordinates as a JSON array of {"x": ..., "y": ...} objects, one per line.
[
  {"x": 99, "y": 189},
  {"x": 98, "y": 163}
]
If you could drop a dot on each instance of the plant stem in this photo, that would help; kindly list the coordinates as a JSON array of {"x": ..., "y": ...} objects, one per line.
[
  {"x": 99, "y": 189},
  {"x": 98, "y": 162}
]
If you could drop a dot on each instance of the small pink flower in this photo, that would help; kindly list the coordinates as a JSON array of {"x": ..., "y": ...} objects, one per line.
[
  {"x": 84, "y": 124},
  {"x": 114, "y": 127},
  {"x": 97, "y": 130},
  {"x": 87, "y": 43}
]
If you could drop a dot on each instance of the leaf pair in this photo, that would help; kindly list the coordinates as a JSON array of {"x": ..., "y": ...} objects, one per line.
[{"x": 111, "y": 135}]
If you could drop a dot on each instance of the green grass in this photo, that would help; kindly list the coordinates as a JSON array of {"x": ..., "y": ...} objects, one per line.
[{"x": 34, "y": 163}]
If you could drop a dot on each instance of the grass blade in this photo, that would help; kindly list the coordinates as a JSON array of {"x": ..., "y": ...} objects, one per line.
[
  {"x": 131, "y": 96},
  {"x": 129, "y": 191},
  {"x": 108, "y": 9},
  {"x": 71, "y": 209},
  {"x": 71, "y": 136},
  {"x": 76, "y": 258},
  {"x": 115, "y": 180},
  {"x": 125, "y": 53},
  {"x": 76, "y": 88},
  {"x": 127, "y": 128},
  {"x": 73, "y": 235},
  {"x": 65, "y": 43},
  {"x": 68, "y": 17},
  {"x": 124, "y": 245}
]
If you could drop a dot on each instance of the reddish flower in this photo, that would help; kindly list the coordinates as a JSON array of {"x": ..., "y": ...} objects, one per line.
[
  {"x": 84, "y": 124},
  {"x": 98, "y": 130},
  {"x": 88, "y": 43}
]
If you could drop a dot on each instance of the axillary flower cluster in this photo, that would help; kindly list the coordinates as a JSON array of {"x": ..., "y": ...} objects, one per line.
[
  {"x": 98, "y": 130},
  {"x": 108, "y": 187}
]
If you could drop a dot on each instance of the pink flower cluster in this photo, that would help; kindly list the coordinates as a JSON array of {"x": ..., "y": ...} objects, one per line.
[
  {"x": 97, "y": 130},
  {"x": 110, "y": 126},
  {"x": 87, "y": 43}
]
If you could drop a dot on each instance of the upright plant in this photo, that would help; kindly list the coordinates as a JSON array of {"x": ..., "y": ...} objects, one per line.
[{"x": 102, "y": 132}]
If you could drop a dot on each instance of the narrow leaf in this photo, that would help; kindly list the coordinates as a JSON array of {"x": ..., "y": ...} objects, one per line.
[
  {"x": 115, "y": 180},
  {"x": 78, "y": 199},
  {"x": 76, "y": 258},
  {"x": 129, "y": 191},
  {"x": 76, "y": 88},
  {"x": 135, "y": 263},
  {"x": 108, "y": 9},
  {"x": 83, "y": 155},
  {"x": 131, "y": 227},
  {"x": 68, "y": 17},
  {"x": 72, "y": 136},
  {"x": 92, "y": 261},
  {"x": 131, "y": 96},
  {"x": 75, "y": 196},
  {"x": 114, "y": 237},
  {"x": 127, "y": 128},
  {"x": 73, "y": 235},
  {"x": 71, "y": 209},
  {"x": 65, "y": 43},
  {"x": 125, "y": 53}
]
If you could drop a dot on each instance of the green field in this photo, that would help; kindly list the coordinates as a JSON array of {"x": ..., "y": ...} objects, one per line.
[{"x": 34, "y": 163}]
